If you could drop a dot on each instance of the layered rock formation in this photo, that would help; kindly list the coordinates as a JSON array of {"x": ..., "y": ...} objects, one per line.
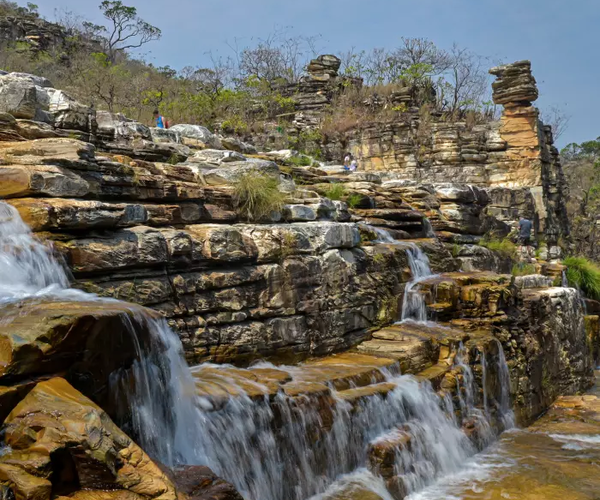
[
  {"x": 513, "y": 157},
  {"x": 326, "y": 272}
]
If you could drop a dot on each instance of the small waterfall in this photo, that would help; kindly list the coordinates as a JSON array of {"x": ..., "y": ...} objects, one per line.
[
  {"x": 158, "y": 388},
  {"x": 413, "y": 307},
  {"x": 506, "y": 412},
  {"x": 484, "y": 382},
  {"x": 383, "y": 236},
  {"x": 468, "y": 403},
  {"x": 564, "y": 279},
  {"x": 27, "y": 267},
  {"x": 157, "y": 395},
  {"x": 429, "y": 232},
  {"x": 290, "y": 453}
]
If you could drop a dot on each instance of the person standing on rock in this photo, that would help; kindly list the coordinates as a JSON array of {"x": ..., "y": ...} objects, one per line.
[
  {"x": 525, "y": 226},
  {"x": 159, "y": 120},
  {"x": 347, "y": 160},
  {"x": 353, "y": 165}
]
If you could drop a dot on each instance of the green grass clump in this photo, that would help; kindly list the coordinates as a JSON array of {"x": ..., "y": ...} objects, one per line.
[
  {"x": 257, "y": 196},
  {"x": 585, "y": 275},
  {"x": 354, "y": 200},
  {"x": 336, "y": 192},
  {"x": 523, "y": 269},
  {"x": 300, "y": 161},
  {"x": 504, "y": 246}
]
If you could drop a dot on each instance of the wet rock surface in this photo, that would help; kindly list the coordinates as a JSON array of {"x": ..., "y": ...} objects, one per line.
[{"x": 60, "y": 442}]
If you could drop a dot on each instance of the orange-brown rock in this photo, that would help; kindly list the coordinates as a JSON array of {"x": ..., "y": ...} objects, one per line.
[
  {"x": 60, "y": 442},
  {"x": 200, "y": 483}
]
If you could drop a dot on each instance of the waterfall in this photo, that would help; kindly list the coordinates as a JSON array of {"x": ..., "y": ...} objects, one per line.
[
  {"x": 564, "y": 280},
  {"x": 468, "y": 403},
  {"x": 158, "y": 389},
  {"x": 484, "y": 382},
  {"x": 506, "y": 412},
  {"x": 291, "y": 454},
  {"x": 413, "y": 307},
  {"x": 272, "y": 447},
  {"x": 27, "y": 267}
]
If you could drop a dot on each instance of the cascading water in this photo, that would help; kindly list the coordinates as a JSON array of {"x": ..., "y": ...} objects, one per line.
[
  {"x": 160, "y": 409},
  {"x": 298, "y": 456},
  {"x": 270, "y": 449},
  {"x": 27, "y": 268},
  {"x": 413, "y": 307},
  {"x": 506, "y": 411}
]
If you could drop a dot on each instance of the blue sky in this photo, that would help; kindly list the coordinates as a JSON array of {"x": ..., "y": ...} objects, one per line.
[{"x": 560, "y": 37}]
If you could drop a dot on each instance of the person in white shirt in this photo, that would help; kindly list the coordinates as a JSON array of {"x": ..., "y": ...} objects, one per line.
[{"x": 347, "y": 160}]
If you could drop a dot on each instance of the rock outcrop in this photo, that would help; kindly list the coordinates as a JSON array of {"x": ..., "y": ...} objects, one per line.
[
  {"x": 60, "y": 444},
  {"x": 514, "y": 154},
  {"x": 323, "y": 273}
]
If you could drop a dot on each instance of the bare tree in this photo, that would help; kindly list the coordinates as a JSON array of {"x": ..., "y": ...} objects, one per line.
[
  {"x": 466, "y": 79},
  {"x": 353, "y": 63},
  {"x": 557, "y": 118},
  {"x": 420, "y": 51},
  {"x": 128, "y": 31},
  {"x": 275, "y": 58}
]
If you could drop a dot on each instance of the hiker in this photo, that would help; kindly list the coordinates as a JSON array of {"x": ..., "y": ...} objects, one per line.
[
  {"x": 525, "y": 226},
  {"x": 353, "y": 165},
  {"x": 159, "y": 120},
  {"x": 347, "y": 160}
]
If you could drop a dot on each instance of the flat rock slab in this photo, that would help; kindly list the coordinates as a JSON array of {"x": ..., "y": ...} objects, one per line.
[{"x": 339, "y": 372}]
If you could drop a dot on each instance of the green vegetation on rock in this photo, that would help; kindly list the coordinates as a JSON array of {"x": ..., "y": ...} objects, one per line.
[
  {"x": 505, "y": 247},
  {"x": 584, "y": 274},
  {"x": 523, "y": 269},
  {"x": 336, "y": 192},
  {"x": 257, "y": 196}
]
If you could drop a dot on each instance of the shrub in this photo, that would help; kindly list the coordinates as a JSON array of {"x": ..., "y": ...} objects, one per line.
[
  {"x": 257, "y": 195},
  {"x": 336, "y": 192},
  {"x": 354, "y": 200},
  {"x": 300, "y": 161},
  {"x": 504, "y": 246},
  {"x": 523, "y": 269},
  {"x": 585, "y": 275}
]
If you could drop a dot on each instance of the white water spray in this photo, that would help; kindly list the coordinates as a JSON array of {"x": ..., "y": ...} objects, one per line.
[{"x": 27, "y": 267}]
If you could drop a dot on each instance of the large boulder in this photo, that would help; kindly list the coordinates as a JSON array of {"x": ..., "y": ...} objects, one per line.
[
  {"x": 197, "y": 136},
  {"x": 68, "y": 113},
  {"x": 31, "y": 97},
  {"x": 61, "y": 442},
  {"x": 18, "y": 96}
]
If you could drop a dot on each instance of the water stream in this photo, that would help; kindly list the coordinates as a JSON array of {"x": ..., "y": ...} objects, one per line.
[
  {"x": 413, "y": 307},
  {"x": 271, "y": 449}
]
